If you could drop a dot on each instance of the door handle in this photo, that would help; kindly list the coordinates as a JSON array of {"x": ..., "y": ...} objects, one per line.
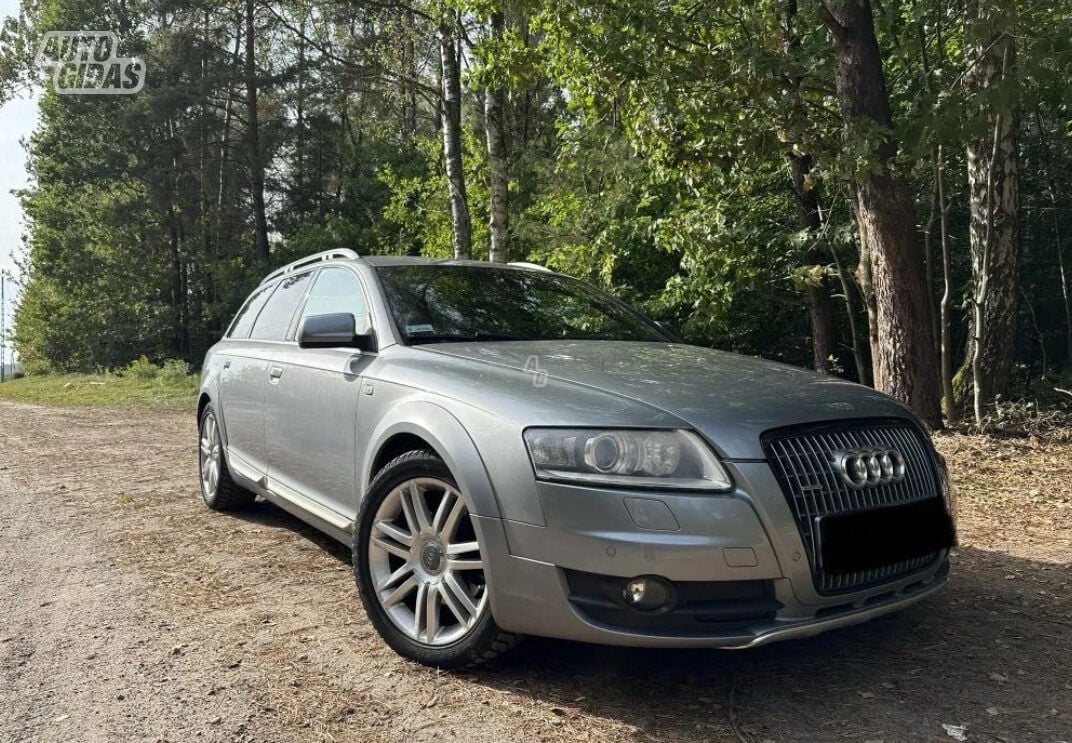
[
  {"x": 227, "y": 364},
  {"x": 275, "y": 373}
]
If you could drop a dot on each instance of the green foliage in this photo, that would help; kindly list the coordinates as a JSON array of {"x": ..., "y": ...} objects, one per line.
[
  {"x": 174, "y": 372},
  {"x": 166, "y": 391},
  {"x": 649, "y": 148},
  {"x": 142, "y": 369},
  {"x": 169, "y": 373}
]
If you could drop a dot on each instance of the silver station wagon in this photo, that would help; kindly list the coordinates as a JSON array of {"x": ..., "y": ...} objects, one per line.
[{"x": 510, "y": 452}]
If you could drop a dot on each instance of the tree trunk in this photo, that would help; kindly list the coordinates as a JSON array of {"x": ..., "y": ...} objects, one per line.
[
  {"x": 180, "y": 329},
  {"x": 253, "y": 144},
  {"x": 452, "y": 138},
  {"x": 1065, "y": 295},
  {"x": 949, "y": 400},
  {"x": 994, "y": 191},
  {"x": 180, "y": 337},
  {"x": 299, "y": 126},
  {"x": 905, "y": 364},
  {"x": 408, "y": 85},
  {"x": 1063, "y": 272},
  {"x": 863, "y": 371},
  {"x": 820, "y": 303},
  {"x": 1051, "y": 184},
  {"x": 928, "y": 264},
  {"x": 936, "y": 201},
  {"x": 498, "y": 178},
  {"x": 226, "y": 134},
  {"x": 867, "y": 293}
]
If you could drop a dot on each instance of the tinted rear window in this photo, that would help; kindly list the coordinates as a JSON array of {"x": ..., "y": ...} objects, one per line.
[{"x": 244, "y": 319}]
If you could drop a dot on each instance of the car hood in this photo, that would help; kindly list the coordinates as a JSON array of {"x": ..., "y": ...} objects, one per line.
[{"x": 731, "y": 399}]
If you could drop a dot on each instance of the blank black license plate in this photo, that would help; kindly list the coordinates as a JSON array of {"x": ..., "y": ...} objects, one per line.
[{"x": 882, "y": 536}]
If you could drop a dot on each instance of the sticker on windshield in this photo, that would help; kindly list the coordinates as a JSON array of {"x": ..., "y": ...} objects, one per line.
[{"x": 410, "y": 329}]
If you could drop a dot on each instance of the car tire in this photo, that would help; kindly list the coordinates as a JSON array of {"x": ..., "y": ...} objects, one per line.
[
  {"x": 219, "y": 491},
  {"x": 450, "y": 636}
]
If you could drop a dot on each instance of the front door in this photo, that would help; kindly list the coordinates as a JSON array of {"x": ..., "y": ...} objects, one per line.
[{"x": 311, "y": 405}]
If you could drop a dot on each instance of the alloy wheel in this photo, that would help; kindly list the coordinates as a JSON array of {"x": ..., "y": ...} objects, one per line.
[
  {"x": 211, "y": 455},
  {"x": 425, "y": 562}
]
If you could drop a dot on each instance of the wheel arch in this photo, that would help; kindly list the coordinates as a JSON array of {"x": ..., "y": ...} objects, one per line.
[
  {"x": 202, "y": 403},
  {"x": 210, "y": 394},
  {"x": 425, "y": 425}
]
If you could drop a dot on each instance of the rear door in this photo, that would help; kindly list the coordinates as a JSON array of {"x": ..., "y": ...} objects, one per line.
[
  {"x": 246, "y": 374},
  {"x": 311, "y": 409},
  {"x": 241, "y": 404}
]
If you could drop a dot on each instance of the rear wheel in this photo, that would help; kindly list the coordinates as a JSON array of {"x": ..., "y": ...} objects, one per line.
[
  {"x": 219, "y": 491},
  {"x": 420, "y": 568}
]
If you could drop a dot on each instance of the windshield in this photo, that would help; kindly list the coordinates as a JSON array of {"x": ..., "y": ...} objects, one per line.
[{"x": 441, "y": 303}]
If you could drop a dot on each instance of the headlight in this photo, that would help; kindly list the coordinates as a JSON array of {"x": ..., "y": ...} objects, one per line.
[{"x": 631, "y": 458}]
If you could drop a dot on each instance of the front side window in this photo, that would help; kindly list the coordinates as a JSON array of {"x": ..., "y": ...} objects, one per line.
[
  {"x": 274, "y": 321},
  {"x": 336, "y": 290},
  {"x": 441, "y": 303}
]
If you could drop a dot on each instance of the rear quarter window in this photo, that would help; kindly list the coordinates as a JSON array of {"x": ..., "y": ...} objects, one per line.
[{"x": 243, "y": 321}]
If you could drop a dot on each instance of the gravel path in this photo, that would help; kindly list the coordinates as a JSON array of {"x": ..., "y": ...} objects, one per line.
[{"x": 128, "y": 612}]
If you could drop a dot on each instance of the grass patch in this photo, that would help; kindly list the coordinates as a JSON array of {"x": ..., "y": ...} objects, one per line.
[{"x": 163, "y": 392}]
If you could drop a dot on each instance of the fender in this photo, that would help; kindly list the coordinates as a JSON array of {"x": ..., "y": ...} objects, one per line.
[
  {"x": 451, "y": 441},
  {"x": 210, "y": 388}
]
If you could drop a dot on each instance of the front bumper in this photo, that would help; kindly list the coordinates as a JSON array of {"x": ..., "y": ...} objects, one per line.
[{"x": 748, "y": 536}]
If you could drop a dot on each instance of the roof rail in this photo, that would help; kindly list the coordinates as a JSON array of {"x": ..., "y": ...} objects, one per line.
[
  {"x": 532, "y": 266},
  {"x": 327, "y": 255}
]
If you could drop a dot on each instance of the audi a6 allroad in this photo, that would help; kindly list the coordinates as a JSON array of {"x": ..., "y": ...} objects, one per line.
[{"x": 511, "y": 452}]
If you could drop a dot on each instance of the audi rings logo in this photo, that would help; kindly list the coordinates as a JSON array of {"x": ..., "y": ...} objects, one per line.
[{"x": 863, "y": 467}]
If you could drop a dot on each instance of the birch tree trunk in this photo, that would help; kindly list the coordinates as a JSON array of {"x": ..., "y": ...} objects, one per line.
[
  {"x": 253, "y": 143},
  {"x": 498, "y": 178},
  {"x": 905, "y": 365},
  {"x": 949, "y": 400},
  {"x": 994, "y": 193},
  {"x": 451, "y": 112}
]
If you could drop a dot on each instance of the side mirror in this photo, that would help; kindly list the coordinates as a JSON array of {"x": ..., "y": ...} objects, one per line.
[{"x": 339, "y": 330}]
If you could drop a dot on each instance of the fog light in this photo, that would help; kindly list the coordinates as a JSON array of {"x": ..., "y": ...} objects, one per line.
[{"x": 646, "y": 593}]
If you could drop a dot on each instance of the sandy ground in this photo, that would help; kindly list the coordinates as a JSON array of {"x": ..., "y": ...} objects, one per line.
[{"x": 128, "y": 611}]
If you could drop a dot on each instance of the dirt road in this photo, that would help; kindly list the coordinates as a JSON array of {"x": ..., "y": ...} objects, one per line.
[{"x": 130, "y": 612}]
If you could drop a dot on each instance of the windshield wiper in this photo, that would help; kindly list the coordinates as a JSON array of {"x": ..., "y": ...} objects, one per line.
[{"x": 462, "y": 337}]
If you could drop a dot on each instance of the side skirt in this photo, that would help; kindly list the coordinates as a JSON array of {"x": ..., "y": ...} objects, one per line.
[{"x": 319, "y": 517}]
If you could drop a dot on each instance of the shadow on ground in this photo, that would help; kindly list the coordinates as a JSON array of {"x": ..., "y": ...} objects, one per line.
[
  {"x": 267, "y": 514},
  {"x": 990, "y": 653}
]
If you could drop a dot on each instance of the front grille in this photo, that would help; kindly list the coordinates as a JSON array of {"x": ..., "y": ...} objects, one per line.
[{"x": 803, "y": 463}]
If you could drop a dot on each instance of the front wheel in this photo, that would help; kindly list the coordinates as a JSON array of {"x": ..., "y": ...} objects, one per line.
[{"x": 420, "y": 569}]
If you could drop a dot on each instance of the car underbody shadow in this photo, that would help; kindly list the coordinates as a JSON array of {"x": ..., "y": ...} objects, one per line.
[{"x": 270, "y": 515}]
